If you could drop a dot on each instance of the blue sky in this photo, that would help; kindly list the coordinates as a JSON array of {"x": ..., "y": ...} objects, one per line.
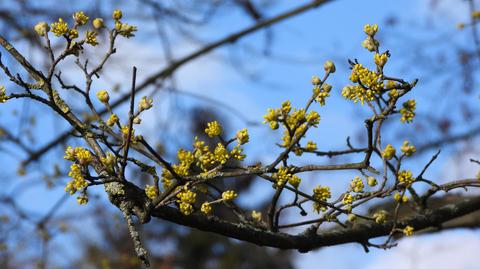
[{"x": 333, "y": 31}]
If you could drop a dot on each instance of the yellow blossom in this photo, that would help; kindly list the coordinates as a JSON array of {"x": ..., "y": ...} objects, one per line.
[
  {"x": 151, "y": 191},
  {"x": 371, "y": 181},
  {"x": 389, "y": 152},
  {"x": 316, "y": 80},
  {"x": 59, "y": 28},
  {"x": 242, "y": 136},
  {"x": 91, "y": 38},
  {"x": 229, "y": 195},
  {"x": 405, "y": 176},
  {"x": 221, "y": 154},
  {"x": 42, "y": 28},
  {"x": 380, "y": 59},
  {"x": 103, "y": 96},
  {"x": 3, "y": 95},
  {"x": 347, "y": 199},
  {"x": 408, "y": 149},
  {"x": 112, "y": 120},
  {"x": 357, "y": 184},
  {"x": 80, "y": 18},
  {"x": 311, "y": 146},
  {"x": 380, "y": 216},
  {"x": 145, "y": 103},
  {"x": 206, "y": 208},
  {"x": 213, "y": 129},
  {"x": 98, "y": 23},
  {"x": 127, "y": 30},
  {"x": 82, "y": 199},
  {"x": 117, "y": 14},
  {"x": 408, "y": 231},
  {"x": 73, "y": 33},
  {"x": 329, "y": 67},
  {"x": 408, "y": 111},
  {"x": 321, "y": 193},
  {"x": 370, "y": 30},
  {"x": 186, "y": 208},
  {"x": 256, "y": 216},
  {"x": 352, "y": 217}
]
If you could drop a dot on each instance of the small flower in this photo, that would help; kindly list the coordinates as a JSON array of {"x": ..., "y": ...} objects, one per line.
[
  {"x": 186, "y": 208},
  {"x": 112, "y": 120},
  {"x": 400, "y": 198},
  {"x": 213, "y": 129},
  {"x": 73, "y": 33},
  {"x": 380, "y": 59},
  {"x": 371, "y": 181},
  {"x": 257, "y": 216},
  {"x": 3, "y": 95},
  {"x": 59, "y": 28},
  {"x": 206, "y": 208},
  {"x": 80, "y": 18},
  {"x": 357, "y": 184},
  {"x": 117, "y": 14},
  {"x": 91, "y": 38},
  {"x": 405, "y": 176},
  {"x": 311, "y": 146},
  {"x": 242, "y": 136},
  {"x": 389, "y": 152},
  {"x": 316, "y": 80},
  {"x": 42, "y": 28},
  {"x": 228, "y": 196},
  {"x": 103, "y": 96},
  {"x": 127, "y": 30},
  {"x": 380, "y": 216},
  {"x": 82, "y": 199},
  {"x": 408, "y": 149},
  {"x": 145, "y": 104},
  {"x": 329, "y": 67},
  {"x": 98, "y": 23},
  {"x": 408, "y": 231},
  {"x": 151, "y": 191},
  {"x": 347, "y": 199},
  {"x": 370, "y": 30}
]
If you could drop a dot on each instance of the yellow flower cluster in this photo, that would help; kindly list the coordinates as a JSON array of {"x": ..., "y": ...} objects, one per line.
[
  {"x": 91, "y": 38},
  {"x": 347, "y": 199},
  {"x": 321, "y": 193},
  {"x": 242, "y": 136},
  {"x": 357, "y": 184},
  {"x": 186, "y": 199},
  {"x": 78, "y": 181},
  {"x": 151, "y": 191},
  {"x": 370, "y": 43},
  {"x": 380, "y": 59},
  {"x": 408, "y": 149},
  {"x": 42, "y": 28},
  {"x": 59, "y": 28},
  {"x": 3, "y": 95},
  {"x": 112, "y": 120},
  {"x": 389, "y": 152},
  {"x": 321, "y": 93},
  {"x": 408, "y": 231},
  {"x": 329, "y": 67},
  {"x": 206, "y": 208},
  {"x": 103, "y": 96},
  {"x": 371, "y": 181},
  {"x": 123, "y": 28},
  {"x": 81, "y": 155},
  {"x": 82, "y": 199},
  {"x": 256, "y": 216},
  {"x": 145, "y": 103},
  {"x": 108, "y": 161},
  {"x": 380, "y": 216},
  {"x": 213, "y": 129},
  {"x": 400, "y": 198},
  {"x": 311, "y": 146},
  {"x": 295, "y": 122},
  {"x": 370, "y": 83},
  {"x": 80, "y": 18},
  {"x": 283, "y": 175},
  {"x": 408, "y": 111},
  {"x": 405, "y": 176},
  {"x": 228, "y": 196}
]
